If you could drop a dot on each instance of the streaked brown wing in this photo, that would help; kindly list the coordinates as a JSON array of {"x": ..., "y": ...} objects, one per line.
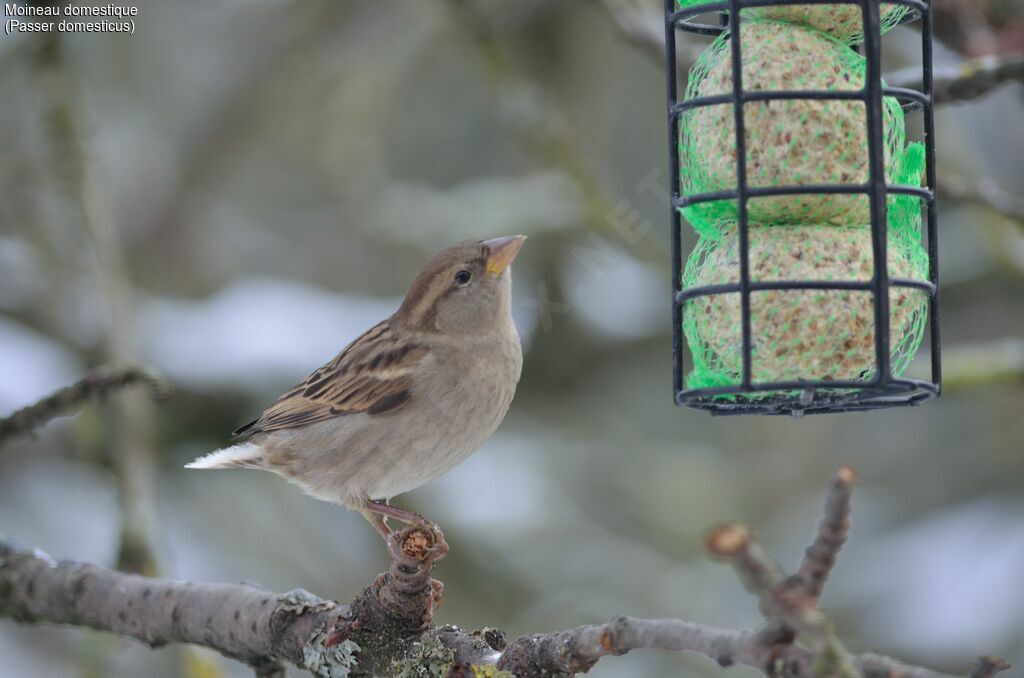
[{"x": 372, "y": 375}]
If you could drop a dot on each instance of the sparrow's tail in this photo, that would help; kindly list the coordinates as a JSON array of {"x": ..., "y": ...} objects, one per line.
[{"x": 243, "y": 455}]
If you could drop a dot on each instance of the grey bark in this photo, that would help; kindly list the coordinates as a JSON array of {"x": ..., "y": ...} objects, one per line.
[
  {"x": 238, "y": 620},
  {"x": 387, "y": 629}
]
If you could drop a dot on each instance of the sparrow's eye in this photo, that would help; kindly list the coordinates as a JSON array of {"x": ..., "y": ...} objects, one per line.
[{"x": 463, "y": 277}]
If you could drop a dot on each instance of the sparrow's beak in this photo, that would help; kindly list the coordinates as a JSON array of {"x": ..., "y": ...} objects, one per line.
[{"x": 501, "y": 251}]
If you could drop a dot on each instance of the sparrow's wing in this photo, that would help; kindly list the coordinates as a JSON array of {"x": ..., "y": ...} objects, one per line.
[{"x": 372, "y": 375}]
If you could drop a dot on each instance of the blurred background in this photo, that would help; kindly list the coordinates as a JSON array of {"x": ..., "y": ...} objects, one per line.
[{"x": 239, "y": 189}]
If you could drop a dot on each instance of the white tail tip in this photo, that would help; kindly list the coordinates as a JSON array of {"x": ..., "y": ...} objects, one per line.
[{"x": 245, "y": 455}]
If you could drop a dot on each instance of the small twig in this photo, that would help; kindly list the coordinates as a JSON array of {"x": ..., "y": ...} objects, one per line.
[
  {"x": 791, "y": 602},
  {"x": 987, "y": 667},
  {"x": 578, "y": 649},
  {"x": 129, "y": 422},
  {"x": 758, "y": 571},
  {"x": 969, "y": 80},
  {"x": 984, "y": 192},
  {"x": 974, "y": 365},
  {"x": 878, "y": 666},
  {"x": 833, "y": 531},
  {"x": 646, "y": 30},
  {"x": 64, "y": 401},
  {"x": 638, "y": 27}
]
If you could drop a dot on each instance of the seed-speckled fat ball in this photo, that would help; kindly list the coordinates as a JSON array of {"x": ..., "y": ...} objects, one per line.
[
  {"x": 788, "y": 142},
  {"x": 801, "y": 334},
  {"x": 842, "y": 22}
]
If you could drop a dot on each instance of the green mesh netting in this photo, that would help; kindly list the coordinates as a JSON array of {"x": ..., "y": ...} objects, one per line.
[
  {"x": 789, "y": 142},
  {"x": 842, "y": 22},
  {"x": 904, "y": 211},
  {"x": 801, "y": 334}
]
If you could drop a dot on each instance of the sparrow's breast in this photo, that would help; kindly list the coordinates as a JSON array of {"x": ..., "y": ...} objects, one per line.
[
  {"x": 458, "y": 406},
  {"x": 458, "y": 400}
]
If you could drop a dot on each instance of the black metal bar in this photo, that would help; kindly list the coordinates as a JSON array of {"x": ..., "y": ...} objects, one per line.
[
  {"x": 768, "y": 95},
  {"x": 871, "y": 12},
  {"x": 680, "y": 18},
  {"x": 933, "y": 230},
  {"x": 715, "y": 100},
  {"x": 835, "y": 285},
  {"x": 914, "y": 96},
  {"x": 925, "y": 194},
  {"x": 893, "y": 386},
  {"x": 736, "y": 28},
  {"x": 828, "y": 403},
  {"x": 676, "y": 222},
  {"x": 758, "y": 191}
]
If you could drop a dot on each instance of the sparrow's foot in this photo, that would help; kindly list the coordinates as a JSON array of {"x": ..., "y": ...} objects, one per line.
[
  {"x": 439, "y": 549},
  {"x": 395, "y": 544},
  {"x": 401, "y": 515},
  {"x": 436, "y": 591},
  {"x": 379, "y": 522}
]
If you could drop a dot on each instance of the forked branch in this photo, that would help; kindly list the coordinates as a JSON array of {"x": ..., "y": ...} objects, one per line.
[
  {"x": 68, "y": 399},
  {"x": 387, "y": 629}
]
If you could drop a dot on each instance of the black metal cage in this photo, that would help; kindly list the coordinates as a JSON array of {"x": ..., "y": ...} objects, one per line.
[{"x": 806, "y": 396}]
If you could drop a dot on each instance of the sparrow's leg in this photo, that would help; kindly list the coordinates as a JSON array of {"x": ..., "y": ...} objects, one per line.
[
  {"x": 384, "y": 509},
  {"x": 377, "y": 512},
  {"x": 379, "y": 522}
]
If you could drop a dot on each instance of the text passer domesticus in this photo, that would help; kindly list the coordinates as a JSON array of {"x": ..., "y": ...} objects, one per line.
[{"x": 405, "y": 402}]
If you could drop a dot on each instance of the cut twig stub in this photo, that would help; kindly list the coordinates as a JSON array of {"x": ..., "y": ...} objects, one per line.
[
  {"x": 416, "y": 543},
  {"x": 422, "y": 542},
  {"x": 988, "y": 666},
  {"x": 727, "y": 539},
  {"x": 847, "y": 475}
]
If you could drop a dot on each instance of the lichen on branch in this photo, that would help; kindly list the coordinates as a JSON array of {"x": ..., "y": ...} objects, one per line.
[{"x": 388, "y": 629}]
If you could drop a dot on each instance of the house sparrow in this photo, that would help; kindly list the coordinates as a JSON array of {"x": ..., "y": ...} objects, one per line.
[{"x": 405, "y": 402}]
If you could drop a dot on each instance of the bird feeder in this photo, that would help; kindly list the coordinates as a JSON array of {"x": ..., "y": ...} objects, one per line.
[{"x": 813, "y": 282}]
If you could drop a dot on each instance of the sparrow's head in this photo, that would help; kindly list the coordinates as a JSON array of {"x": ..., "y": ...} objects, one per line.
[{"x": 464, "y": 289}]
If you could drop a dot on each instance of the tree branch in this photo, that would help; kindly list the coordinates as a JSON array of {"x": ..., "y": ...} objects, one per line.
[
  {"x": 983, "y": 364},
  {"x": 987, "y": 667},
  {"x": 645, "y": 30},
  {"x": 240, "y": 621},
  {"x": 789, "y": 603},
  {"x": 387, "y": 629},
  {"x": 63, "y": 402},
  {"x": 970, "y": 80},
  {"x": 833, "y": 531},
  {"x": 984, "y": 192},
  {"x": 577, "y": 650}
]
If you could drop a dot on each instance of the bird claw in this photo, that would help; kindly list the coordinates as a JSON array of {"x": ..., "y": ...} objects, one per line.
[
  {"x": 439, "y": 549},
  {"x": 394, "y": 542},
  {"x": 436, "y": 592}
]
